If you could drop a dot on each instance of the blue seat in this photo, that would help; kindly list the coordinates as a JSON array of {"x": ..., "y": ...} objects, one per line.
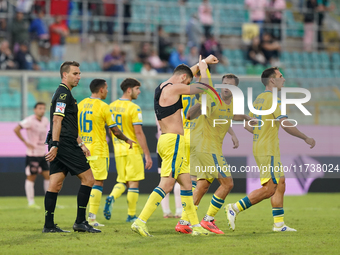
[{"x": 31, "y": 100}]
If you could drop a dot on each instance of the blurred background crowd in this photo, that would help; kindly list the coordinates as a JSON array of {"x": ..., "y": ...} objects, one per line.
[{"x": 155, "y": 36}]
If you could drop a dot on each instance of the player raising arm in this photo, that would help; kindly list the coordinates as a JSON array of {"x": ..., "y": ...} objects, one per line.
[{"x": 171, "y": 147}]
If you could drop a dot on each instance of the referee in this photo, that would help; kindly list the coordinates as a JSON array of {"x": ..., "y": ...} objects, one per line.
[{"x": 67, "y": 152}]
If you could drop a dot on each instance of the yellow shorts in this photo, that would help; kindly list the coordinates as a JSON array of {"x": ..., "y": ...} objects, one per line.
[
  {"x": 270, "y": 168},
  {"x": 211, "y": 166},
  {"x": 171, "y": 148},
  {"x": 130, "y": 168},
  {"x": 100, "y": 168},
  {"x": 190, "y": 157}
]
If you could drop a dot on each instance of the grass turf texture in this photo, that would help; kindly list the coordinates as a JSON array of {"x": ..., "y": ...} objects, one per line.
[{"x": 315, "y": 216}]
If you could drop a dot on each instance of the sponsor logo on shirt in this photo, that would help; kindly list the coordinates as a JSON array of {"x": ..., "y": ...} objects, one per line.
[
  {"x": 140, "y": 116},
  {"x": 62, "y": 96},
  {"x": 60, "y": 107}
]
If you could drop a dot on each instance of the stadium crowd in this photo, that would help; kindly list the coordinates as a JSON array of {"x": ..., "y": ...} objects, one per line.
[{"x": 29, "y": 24}]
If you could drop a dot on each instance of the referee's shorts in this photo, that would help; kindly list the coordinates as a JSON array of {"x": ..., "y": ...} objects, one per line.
[{"x": 70, "y": 158}]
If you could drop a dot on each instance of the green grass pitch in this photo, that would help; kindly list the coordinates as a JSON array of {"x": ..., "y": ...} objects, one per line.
[{"x": 315, "y": 216}]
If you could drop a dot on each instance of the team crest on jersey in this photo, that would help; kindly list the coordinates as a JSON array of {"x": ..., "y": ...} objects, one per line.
[
  {"x": 62, "y": 96},
  {"x": 60, "y": 107}
]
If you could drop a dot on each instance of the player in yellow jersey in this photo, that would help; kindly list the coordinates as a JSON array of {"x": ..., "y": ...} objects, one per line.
[
  {"x": 267, "y": 154},
  {"x": 129, "y": 163},
  {"x": 93, "y": 115},
  {"x": 171, "y": 146},
  {"x": 211, "y": 163}
]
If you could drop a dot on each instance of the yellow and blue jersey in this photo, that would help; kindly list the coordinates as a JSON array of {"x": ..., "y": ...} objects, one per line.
[
  {"x": 188, "y": 101},
  {"x": 211, "y": 138},
  {"x": 126, "y": 114},
  {"x": 93, "y": 114},
  {"x": 266, "y": 137}
]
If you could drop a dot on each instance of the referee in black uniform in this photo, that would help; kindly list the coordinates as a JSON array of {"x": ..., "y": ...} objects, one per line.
[{"x": 67, "y": 152}]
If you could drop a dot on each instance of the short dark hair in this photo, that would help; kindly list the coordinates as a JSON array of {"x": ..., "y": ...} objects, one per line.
[
  {"x": 183, "y": 69},
  {"x": 129, "y": 83},
  {"x": 268, "y": 73},
  {"x": 231, "y": 76},
  {"x": 96, "y": 85},
  {"x": 39, "y": 103},
  {"x": 65, "y": 67}
]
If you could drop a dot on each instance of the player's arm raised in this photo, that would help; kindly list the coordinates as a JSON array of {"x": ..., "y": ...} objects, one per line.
[
  {"x": 181, "y": 89},
  {"x": 290, "y": 129},
  {"x": 210, "y": 60},
  {"x": 142, "y": 142},
  {"x": 116, "y": 131}
]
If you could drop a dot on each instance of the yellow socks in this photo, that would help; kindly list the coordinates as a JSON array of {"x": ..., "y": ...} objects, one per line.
[
  {"x": 242, "y": 204},
  {"x": 215, "y": 205},
  {"x": 132, "y": 198},
  {"x": 118, "y": 190},
  {"x": 278, "y": 214},
  {"x": 189, "y": 207},
  {"x": 95, "y": 197},
  {"x": 154, "y": 200}
]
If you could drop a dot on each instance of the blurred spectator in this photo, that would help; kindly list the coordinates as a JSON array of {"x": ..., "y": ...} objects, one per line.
[
  {"x": 182, "y": 2},
  {"x": 255, "y": 53},
  {"x": 323, "y": 7},
  {"x": 109, "y": 11},
  {"x": 39, "y": 5},
  {"x": 60, "y": 7},
  {"x": 194, "y": 31},
  {"x": 96, "y": 9},
  {"x": 276, "y": 8},
  {"x": 127, "y": 15},
  {"x": 58, "y": 33},
  {"x": 257, "y": 9},
  {"x": 24, "y": 59},
  {"x": 193, "y": 56},
  {"x": 3, "y": 21},
  {"x": 271, "y": 49},
  {"x": 145, "y": 52},
  {"x": 211, "y": 46},
  {"x": 164, "y": 45},
  {"x": 205, "y": 14},
  {"x": 309, "y": 28},
  {"x": 6, "y": 56},
  {"x": 24, "y": 6},
  {"x": 177, "y": 57},
  {"x": 148, "y": 70},
  {"x": 39, "y": 28},
  {"x": 114, "y": 61},
  {"x": 156, "y": 62},
  {"x": 19, "y": 31}
]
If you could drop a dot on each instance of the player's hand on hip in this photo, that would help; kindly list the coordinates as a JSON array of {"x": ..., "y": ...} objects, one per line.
[
  {"x": 310, "y": 141},
  {"x": 235, "y": 142},
  {"x": 50, "y": 156},
  {"x": 148, "y": 162},
  {"x": 29, "y": 146},
  {"x": 211, "y": 59},
  {"x": 130, "y": 142},
  {"x": 86, "y": 150}
]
